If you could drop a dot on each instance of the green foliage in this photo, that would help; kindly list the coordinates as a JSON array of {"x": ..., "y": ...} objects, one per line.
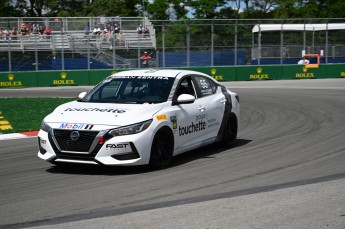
[
  {"x": 156, "y": 10},
  {"x": 8, "y": 10},
  {"x": 26, "y": 114},
  {"x": 206, "y": 9}
]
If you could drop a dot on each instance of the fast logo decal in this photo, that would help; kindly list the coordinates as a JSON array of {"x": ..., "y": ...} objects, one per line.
[
  {"x": 116, "y": 146},
  {"x": 76, "y": 126},
  {"x": 109, "y": 110}
]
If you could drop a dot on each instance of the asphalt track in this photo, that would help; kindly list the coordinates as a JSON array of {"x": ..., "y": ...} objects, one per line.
[{"x": 287, "y": 170}]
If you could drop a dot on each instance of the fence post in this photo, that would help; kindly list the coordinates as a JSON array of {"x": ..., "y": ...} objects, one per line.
[
  {"x": 326, "y": 48},
  {"x": 188, "y": 44},
  {"x": 212, "y": 43},
  {"x": 236, "y": 44},
  {"x": 163, "y": 45},
  {"x": 62, "y": 47}
]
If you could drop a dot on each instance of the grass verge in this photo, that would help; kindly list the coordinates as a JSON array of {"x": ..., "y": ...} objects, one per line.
[{"x": 26, "y": 114}]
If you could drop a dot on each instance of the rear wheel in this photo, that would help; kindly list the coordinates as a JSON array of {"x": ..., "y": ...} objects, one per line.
[
  {"x": 230, "y": 130},
  {"x": 162, "y": 149}
]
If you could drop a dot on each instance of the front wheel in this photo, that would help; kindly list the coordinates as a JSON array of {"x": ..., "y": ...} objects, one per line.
[
  {"x": 162, "y": 149},
  {"x": 230, "y": 130}
]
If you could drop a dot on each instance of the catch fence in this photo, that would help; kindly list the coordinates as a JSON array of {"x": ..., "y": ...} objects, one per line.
[{"x": 186, "y": 43}]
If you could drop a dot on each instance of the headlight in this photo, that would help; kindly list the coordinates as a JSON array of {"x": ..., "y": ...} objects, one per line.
[
  {"x": 132, "y": 129},
  {"x": 45, "y": 127}
]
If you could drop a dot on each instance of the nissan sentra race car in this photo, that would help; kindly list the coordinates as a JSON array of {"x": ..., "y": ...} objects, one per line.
[{"x": 140, "y": 117}]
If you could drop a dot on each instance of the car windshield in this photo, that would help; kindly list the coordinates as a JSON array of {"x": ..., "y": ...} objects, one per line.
[{"x": 131, "y": 89}]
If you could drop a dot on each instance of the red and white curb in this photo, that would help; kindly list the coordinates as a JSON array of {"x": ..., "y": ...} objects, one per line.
[{"x": 18, "y": 135}]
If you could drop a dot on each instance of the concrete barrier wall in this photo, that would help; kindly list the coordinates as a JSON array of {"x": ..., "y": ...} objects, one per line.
[{"x": 236, "y": 73}]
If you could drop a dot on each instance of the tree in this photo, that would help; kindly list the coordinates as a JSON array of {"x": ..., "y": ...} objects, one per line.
[
  {"x": 206, "y": 9},
  {"x": 160, "y": 9},
  {"x": 7, "y": 9}
]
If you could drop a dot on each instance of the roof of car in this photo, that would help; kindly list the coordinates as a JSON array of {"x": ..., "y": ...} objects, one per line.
[{"x": 157, "y": 72}]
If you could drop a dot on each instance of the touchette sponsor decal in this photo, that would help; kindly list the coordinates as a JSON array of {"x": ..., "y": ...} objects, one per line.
[
  {"x": 192, "y": 128},
  {"x": 91, "y": 109}
]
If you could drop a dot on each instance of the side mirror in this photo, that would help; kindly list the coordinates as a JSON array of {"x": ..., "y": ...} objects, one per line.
[
  {"x": 185, "y": 99},
  {"x": 82, "y": 95}
]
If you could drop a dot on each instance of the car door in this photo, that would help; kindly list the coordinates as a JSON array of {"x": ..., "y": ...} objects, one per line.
[
  {"x": 213, "y": 102},
  {"x": 190, "y": 117}
]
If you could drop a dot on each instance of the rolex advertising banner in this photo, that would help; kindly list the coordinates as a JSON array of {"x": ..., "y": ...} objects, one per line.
[
  {"x": 229, "y": 73},
  {"x": 18, "y": 80},
  {"x": 263, "y": 72},
  {"x": 218, "y": 73},
  {"x": 336, "y": 71},
  {"x": 63, "y": 78},
  {"x": 302, "y": 72}
]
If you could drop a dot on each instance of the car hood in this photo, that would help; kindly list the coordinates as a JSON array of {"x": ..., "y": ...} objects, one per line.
[{"x": 103, "y": 113}]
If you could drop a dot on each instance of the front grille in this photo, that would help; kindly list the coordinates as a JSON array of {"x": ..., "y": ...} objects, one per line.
[{"x": 83, "y": 143}]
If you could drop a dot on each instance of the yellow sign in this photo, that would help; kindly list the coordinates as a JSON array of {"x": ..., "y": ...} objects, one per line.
[
  {"x": 11, "y": 82},
  {"x": 63, "y": 80},
  {"x": 259, "y": 75},
  {"x": 161, "y": 117},
  {"x": 4, "y": 124},
  {"x": 214, "y": 76},
  {"x": 342, "y": 74}
]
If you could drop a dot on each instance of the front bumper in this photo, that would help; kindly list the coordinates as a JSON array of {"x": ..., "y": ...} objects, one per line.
[{"x": 95, "y": 147}]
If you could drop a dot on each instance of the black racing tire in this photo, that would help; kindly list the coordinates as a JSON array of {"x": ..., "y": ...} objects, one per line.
[
  {"x": 230, "y": 130},
  {"x": 162, "y": 149}
]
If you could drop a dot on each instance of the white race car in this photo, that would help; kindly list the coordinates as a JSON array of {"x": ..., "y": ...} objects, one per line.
[{"x": 140, "y": 117}]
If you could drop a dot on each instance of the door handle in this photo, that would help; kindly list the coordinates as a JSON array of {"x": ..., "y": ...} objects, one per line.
[
  {"x": 202, "y": 108},
  {"x": 223, "y": 101}
]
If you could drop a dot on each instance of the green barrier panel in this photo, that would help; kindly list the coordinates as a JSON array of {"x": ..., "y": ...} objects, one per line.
[
  {"x": 301, "y": 72},
  {"x": 63, "y": 78},
  {"x": 258, "y": 73},
  {"x": 218, "y": 73},
  {"x": 18, "y": 79},
  {"x": 232, "y": 73},
  {"x": 335, "y": 71},
  {"x": 97, "y": 76}
]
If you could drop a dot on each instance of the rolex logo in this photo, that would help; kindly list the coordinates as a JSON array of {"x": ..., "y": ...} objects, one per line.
[
  {"x": 10, "y": 77},
  {"x": 213, "y": 71},
  {"x": 259, "y": 70},
  {"x": 63, "y": 75}
]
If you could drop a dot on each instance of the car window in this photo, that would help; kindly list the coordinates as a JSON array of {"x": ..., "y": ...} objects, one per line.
[
  {"x": 131, "y": 90},
  {"x": 205, "y": 85},
  {"x": 185, "y": 87}
]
